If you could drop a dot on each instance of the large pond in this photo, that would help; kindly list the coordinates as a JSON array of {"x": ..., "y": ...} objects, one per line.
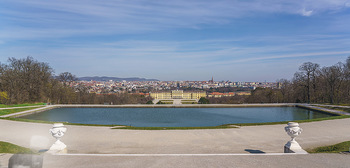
[{"x": 175, "y": 117}]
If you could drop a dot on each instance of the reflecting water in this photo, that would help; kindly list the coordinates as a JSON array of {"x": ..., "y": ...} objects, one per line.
[{"x": 175, "y": 117}]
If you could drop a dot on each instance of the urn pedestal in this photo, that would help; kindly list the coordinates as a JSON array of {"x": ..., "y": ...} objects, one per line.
[
  {"x": 57, "y": 131},
  {"x": 292, "y": 146}
]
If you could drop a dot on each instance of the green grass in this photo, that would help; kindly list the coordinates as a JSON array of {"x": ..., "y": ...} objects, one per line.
[
  {"x": 6, "y": 147},
  {"x": 126, "y": 127},
  {"x": 298, "y": 121},
  {"x": 174, "y": 128},
  {"x": 335, "y": 104},
  {"x": 337, "y": 108},
  {"x": 10, "y": 111},
  {"x": 21, "y": 105},
  {"x": 52, "y": 122},
  {"x": 189, "y": 102},
  {"x": 166, "y": 102},
  {"x": 337, "y": 148}
]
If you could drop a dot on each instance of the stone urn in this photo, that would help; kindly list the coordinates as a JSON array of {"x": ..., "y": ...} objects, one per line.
[
  {"x": 57, "y": 131},
  {"x": 293, "y": 130}
]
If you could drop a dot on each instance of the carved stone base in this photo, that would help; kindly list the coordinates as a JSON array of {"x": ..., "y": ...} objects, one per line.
[
  {"x": 58, "y": 147},
  {"x": 293, "y": 147}
]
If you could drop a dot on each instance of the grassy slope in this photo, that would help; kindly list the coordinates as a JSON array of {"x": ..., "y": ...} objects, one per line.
[
  {"x": 337, "y": 148},
  {"x": 6, "y": 147},
  {"x": 52, "y": 122},
  {"x": 20, "y": 105},
  {"x": 9, "y": 111},
  {"x": 337, "y": 108},
  {"x": 174, "y": 128},
  {"x": 298, "y": 121}
]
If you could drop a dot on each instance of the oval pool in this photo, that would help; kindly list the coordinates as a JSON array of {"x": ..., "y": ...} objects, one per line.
[{"x": 175, "y": 117}]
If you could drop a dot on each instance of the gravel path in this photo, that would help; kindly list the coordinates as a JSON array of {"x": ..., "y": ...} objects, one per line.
[
  {"x": 92, "y": 139},
  {"x": 248, "y": 139}
]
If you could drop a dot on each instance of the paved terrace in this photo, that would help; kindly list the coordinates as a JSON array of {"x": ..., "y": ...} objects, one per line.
[{"x": 268, "y": 139}]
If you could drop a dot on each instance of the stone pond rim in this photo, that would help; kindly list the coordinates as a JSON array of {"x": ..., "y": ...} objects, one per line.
[{"x": 189, "y": 106}]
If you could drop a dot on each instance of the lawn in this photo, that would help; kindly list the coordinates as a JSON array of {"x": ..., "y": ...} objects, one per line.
[
  {"x": 21, "y": 105},
  {"x": 189, "y": 102},
  {"x": 337, "y": 148},
  {"x": 175, "y": 128},
  {"x": 336, "y": 108},
  {"x": 10, "y": 111},
  {"x": 6, "y": 147}
]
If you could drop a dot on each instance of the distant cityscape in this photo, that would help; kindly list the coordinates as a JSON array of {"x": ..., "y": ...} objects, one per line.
[{"x": 146, "y": 87}]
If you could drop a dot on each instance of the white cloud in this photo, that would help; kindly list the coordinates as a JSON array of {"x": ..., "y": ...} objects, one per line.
[
  {"x": 217, "y": 57},
  {"x": 304, "y": 12},
  {"x": 66, "y": 18}
]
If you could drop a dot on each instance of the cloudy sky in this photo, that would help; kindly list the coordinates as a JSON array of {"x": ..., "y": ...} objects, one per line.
[{"x": 237, "y": 40}]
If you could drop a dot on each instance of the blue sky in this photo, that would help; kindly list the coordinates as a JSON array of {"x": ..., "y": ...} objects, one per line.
[{"x": 237, "y": 40}]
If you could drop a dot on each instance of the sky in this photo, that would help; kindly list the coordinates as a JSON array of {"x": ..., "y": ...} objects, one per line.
[{"x": 236, "y": 40}]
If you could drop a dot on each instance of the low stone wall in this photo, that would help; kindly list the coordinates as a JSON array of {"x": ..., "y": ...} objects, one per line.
[{"x": 49, "y": 107}]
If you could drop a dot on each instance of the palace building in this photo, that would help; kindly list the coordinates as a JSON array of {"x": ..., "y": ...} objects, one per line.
[{"x": 178, "y": 94}]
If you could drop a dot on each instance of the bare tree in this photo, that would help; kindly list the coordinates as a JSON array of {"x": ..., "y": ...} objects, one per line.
[
  {"x": 347, "y": 78},
  {"x": 332, "y": 78},
  {"x": 67, "y": 78},
  {"x": 25, "y": 80},
  {"x": 307, "y": 77},
  {"x": 286, "y": 90}
]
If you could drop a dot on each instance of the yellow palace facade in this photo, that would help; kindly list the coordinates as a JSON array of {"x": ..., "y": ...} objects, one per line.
[{"x": 178, "y": 94}]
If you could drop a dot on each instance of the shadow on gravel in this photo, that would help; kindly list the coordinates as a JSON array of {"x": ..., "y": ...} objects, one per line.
[
  {"x": 253, "y": 151},
  {"x": 26, "y": 161}
]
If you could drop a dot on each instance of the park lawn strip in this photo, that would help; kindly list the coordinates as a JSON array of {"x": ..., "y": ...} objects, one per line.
[
  {"x": 225, "y": 126},
  {"x": 175, "y": 128},
  {"x": 10, "y": 111},
  {"x": 167, "y": 102},
  {"x": 52, "y": 122},
  {"x": 21, "y": 105},
  {"x": 298, "y": 121},
  {"x": 6, "y": 147},
  {"x": 337, "y": 148},
  {"x": 119, "y": 126},
  {"x": 337, "y": 108},
  {"x": 189, "y": 102}
]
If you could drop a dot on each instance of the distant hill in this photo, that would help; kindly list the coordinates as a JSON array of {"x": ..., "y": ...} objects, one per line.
[{"x": 106, "y": 78}]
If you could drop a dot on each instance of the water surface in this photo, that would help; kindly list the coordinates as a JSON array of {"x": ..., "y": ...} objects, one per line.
[{"x": 175, "y": 117}]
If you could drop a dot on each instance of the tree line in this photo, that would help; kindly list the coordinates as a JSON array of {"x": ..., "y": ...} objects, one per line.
[
  {"x": 316, "y": 84},
  {"x": 311, "y": 84},
  {"x": 28, "y": 80}
]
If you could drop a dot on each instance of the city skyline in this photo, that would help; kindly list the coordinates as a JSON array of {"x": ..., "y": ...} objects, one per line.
[
  {"x": 141, "y": 79},
  {"x": 178, "y": 40}
]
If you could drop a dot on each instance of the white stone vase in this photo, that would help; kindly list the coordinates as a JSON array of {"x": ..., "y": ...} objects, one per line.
[
  {"x": 57, "y": 131},
  {"x": 293, "y": 130}
]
